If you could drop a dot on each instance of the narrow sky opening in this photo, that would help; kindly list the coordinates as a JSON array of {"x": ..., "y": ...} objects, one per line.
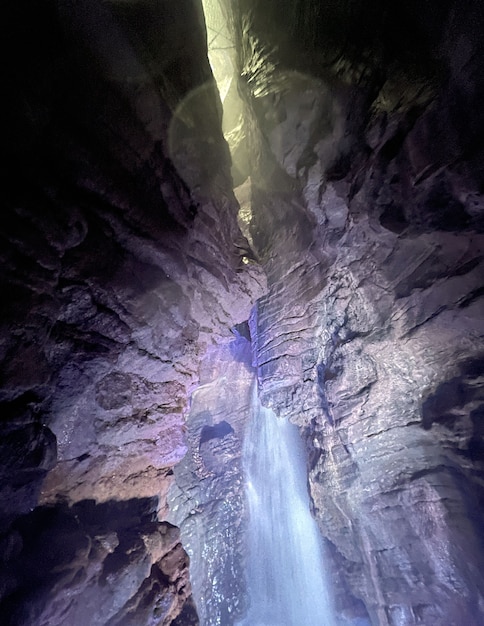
[{"x": 222, "y": 56}]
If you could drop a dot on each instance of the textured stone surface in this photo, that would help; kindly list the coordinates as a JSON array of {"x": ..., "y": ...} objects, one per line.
[
  {"x": 123, "y": 268},
  {"x": 207, "y": 499},
  {"x": 370, "y": 337},
  {"x": 121, "y": 264},
  {"x": 109, "y": 563}
]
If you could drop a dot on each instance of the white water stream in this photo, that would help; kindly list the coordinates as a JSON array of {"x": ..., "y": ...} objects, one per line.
[{"x": 285, "y": 576}]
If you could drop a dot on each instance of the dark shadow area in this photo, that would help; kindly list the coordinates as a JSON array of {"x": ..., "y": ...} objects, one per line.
[
  {"x": 28, "y": 450},
  {"x": 188, "y": 616},
  {"x": 91, "y": 564},
  {"x": 217, "y": 431},
  {"x": 443, "y": 405}
]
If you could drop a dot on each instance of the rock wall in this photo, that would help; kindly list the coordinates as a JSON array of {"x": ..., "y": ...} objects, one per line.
[
  {"x": 367, "y": 216},
  {"x": 207, "y": 498},
  {"x": 121, "y": 265},
  {"x": 110, "y": 563},
  {"x": 123, "y": 270}
]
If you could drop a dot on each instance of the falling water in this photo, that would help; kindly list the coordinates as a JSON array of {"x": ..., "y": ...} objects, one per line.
[{"x": 285, "y": 577}]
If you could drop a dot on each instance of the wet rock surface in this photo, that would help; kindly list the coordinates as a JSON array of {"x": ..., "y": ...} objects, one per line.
[
  {"x": 207, "y": 497},
  {"x": 124, "y": 269},
  {"x": 370, "y": 336},
  {"x": 121, "y": 264}
]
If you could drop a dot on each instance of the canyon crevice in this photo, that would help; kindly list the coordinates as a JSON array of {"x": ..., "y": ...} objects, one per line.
[{"x": 150, "y": 281}]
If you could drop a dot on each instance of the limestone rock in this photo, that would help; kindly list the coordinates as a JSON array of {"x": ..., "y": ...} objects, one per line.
[
  {"x": 111, "y": 563},
  {"x": 121, "y": 265},
  {"x": 370, "y": 335},
  {"x": 124, "y": 270},
  {"x": 207, "y": 497}
]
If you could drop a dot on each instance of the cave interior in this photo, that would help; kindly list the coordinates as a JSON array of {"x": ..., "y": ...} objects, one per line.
[{"x": 203, "y": 200}]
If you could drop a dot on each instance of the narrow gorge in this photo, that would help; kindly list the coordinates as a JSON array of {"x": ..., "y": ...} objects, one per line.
[{"x": 242, "y": 313}]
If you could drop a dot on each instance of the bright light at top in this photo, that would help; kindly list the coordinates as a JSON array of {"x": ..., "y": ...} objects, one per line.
[
  {"x": 221, "y": 48},
  {"x": 223, "y": 61}
]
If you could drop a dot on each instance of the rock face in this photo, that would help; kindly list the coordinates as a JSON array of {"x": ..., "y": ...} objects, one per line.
[
  {"x": 110, "y": 563},
  {"x": 367, "y": 216},
  {"x": 124, "y": 269},
  {"x": 207, "y": 499},
  {"x": 121, "y": 265}
]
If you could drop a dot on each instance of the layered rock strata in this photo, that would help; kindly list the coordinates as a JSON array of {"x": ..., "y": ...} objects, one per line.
[
  {"x": 207, "y": 498},
  {"x": 123, "y": 268},
  {"x": 121, "y": 264},
  {"x": 367, "y": 216}
]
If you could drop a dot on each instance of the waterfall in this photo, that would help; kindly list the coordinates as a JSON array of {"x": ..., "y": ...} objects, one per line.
[{"x": 285, "y": 577}]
